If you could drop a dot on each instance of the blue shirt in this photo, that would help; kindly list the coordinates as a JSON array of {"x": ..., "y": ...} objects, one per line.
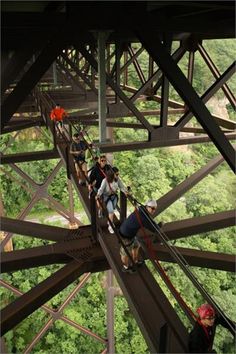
[
  {"x": 79, "y": 147},
  {"x": 130, "y": 226}
]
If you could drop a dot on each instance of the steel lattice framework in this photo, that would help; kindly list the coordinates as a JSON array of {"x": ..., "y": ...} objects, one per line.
[{"x": 86, "y": 64}]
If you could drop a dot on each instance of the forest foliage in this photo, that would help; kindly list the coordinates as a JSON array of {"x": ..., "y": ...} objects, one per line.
[{"x": 150, "y": 174}]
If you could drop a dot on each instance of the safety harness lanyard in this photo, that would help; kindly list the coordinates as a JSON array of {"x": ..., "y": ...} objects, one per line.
[
  {"x": 100, "y": 169},
  {"x": 160, "y": 268},
  {"x": 145, "y": 236}
]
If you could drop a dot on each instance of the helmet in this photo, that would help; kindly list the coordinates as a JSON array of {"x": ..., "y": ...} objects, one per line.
[
  {"x": 151, "y": 203},
  {"x": 205, "y": 310}
]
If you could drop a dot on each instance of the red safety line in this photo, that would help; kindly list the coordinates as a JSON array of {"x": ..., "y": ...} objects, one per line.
[{"x": 148, "y": 241}]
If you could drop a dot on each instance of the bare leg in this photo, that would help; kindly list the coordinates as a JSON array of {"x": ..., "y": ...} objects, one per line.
[
  {"x": 111, "y": 217},
  {"x": 125, "y": 260},
  {"x": 77, "y": 170},
  {"x": 135, "y": 254}
]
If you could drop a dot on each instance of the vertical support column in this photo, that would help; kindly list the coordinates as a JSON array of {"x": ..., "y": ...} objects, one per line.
[
  {"x": 110, "y": 313},
  {"x": 126, "y": 69},
  {"x": 68, "y": 162},
  {"x": 102, "y": 138},
  {"x": 3, "y": 346},
  {"x": 71, "y": 200},
  {"x": 150, "y": 69},
  {"x": 165, "y": 90},
  {"x": 190, "y": 72},
  {"x": 9, "y": 246},
  {"x": 108, "y": 59},
  {"x": 54, "y": 71},
  {"x": 117, "y": 61},
  {"x": 102, "y": 86},
  {"x": 190, "y": 67},
  {"x": 93, "y": 71}
]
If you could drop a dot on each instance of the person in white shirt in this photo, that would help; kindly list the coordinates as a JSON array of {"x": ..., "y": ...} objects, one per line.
[{"x": 108, "y": 190}]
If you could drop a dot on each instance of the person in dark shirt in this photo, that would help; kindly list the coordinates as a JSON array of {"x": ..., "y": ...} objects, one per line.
[
  {"x": 78, "y": 149},
  {"x": 98, "y": 173},
  {"x": 128, "y": 231},
  {"x": 96, "y": 176},
  {"x": 202, "y": 335}
]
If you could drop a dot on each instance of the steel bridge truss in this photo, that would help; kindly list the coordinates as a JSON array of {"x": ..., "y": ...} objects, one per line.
[{"x": 68, "y": 69}]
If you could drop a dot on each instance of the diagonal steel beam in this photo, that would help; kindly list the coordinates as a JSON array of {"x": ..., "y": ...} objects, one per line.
[
  {"x": 208, "y": 94},
  {"x": 14, "y": 66},
  {"x": 116, "y": 88},
  {"x": 177, "y": 56},
  {"x": 136, "y": 65},
  {"x": 53, "y": 313},
  {"x": 130, "y": 61},
  {"x": 32, "y": 76},
  {"x": 79, "y": 73},
  {"x": 156, "y": 49},
  {"x": 151, "y": 307},
  {"x": 22, "y": 307},
  {"x": 169, "y": 198},
  {"x": 228, "y": 93},
  {"x": 66, "y": 74}
]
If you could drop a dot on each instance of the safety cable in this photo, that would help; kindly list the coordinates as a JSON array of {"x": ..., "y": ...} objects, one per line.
[
  {"x": 162, "y": 272},
  {"x": 184, "y": 266},
  {"x": 179, "y": 259}
]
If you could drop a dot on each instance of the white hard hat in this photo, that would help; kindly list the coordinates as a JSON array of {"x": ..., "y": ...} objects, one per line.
[{"x": 151, "y": 203}]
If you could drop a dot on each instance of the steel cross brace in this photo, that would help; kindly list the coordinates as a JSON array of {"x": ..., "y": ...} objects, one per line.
[
  {"x": 156, "y": 49},
  {"x": 19, "y": 309},
  {"x": 57, "y": 314}
]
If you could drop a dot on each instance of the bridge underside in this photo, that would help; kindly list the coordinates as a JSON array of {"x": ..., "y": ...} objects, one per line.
[{"x": 86, "y": 64}]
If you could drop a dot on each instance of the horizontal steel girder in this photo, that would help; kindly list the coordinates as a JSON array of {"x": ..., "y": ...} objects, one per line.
[
  {"x": 61, "y": 251},
  {"x": 203, "y": 259},
  {"x": 45, "y": 232},
  {"x": 44, "y": 255},
  {"x": 105, "y": 148},
  {"x": 193, "y": 226},
  {"x": 173, "y": 230},
  {"x": 29, "y": 156}
]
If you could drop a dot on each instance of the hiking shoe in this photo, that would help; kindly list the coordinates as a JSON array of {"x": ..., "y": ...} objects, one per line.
[
  {"x": 140, "y": 262},
  {"x": 129, "y": 269},
  {"x": 110, "y": 229},
  {"x": 100, "y": 214},
  {"x": 82, "y": 183}
]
